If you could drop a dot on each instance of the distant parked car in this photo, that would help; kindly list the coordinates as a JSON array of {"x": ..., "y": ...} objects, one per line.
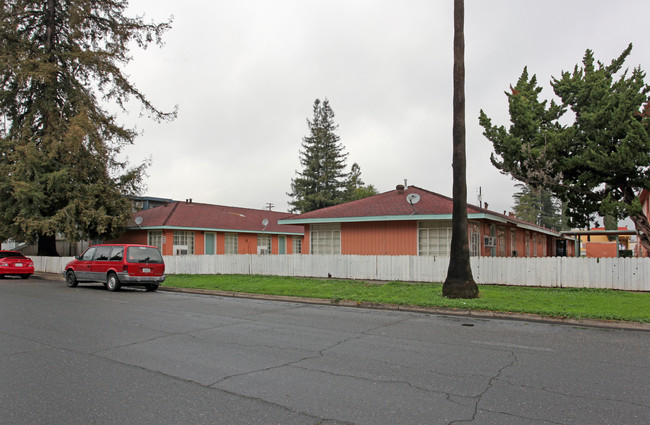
[
  {"x": 14, "y": 263},
  {"x": 117, "y": 265}
]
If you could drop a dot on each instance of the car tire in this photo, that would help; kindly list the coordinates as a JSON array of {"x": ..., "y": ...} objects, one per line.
[
  {"x": 2, "y": 276},
  {"x": 151, "y": 287},
  {"x": 113, "y": 283},
  {"x": 24, "y": 276},
  {"x": 71, "y": 279}
]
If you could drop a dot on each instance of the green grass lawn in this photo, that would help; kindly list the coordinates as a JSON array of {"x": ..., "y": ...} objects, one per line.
[{"x": 556, "y": 302}]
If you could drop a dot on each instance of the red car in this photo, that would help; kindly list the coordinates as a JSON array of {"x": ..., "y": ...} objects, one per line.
[
  {"x": 14, "y": 263},
  {"x": 117, "y": 265}
]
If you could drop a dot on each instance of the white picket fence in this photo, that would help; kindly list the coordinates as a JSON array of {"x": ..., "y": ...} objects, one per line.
[{"x": 630, "y": 274}]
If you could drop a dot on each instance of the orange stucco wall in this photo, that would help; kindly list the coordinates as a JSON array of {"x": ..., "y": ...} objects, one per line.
[
  {"x": 379, "y": 238},
  {"x": 600, "y": 249}
]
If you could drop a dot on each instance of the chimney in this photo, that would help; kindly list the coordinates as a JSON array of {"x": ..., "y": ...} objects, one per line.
[
  {"x": 400, "y": 188},
  {"x": 486, "y": 205}
]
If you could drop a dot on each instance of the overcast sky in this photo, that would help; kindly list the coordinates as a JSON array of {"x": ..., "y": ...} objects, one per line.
[{"x": 245, "y": 75}]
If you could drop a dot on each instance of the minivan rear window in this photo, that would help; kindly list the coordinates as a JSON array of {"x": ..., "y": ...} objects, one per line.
[{"x": 144, "y": 254}]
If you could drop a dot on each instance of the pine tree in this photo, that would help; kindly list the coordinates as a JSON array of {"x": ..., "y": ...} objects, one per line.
[
  {"x": 59, "y": 62},
  {"x": 355, "y": 187},
  {"x": 538, "y": 206},
  {"x": 322, "y": 182},
  {"x": 599, "y": 163}
]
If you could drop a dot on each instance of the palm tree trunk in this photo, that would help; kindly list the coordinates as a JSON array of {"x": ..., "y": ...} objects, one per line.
[{"x": 460, "y": 282}]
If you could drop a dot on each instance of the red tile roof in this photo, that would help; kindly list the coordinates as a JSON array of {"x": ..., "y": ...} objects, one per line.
[
  {"x": 392, "y": 203},
  {"x": 179, "y": 215},
  {"x": 395, "y": 204}
]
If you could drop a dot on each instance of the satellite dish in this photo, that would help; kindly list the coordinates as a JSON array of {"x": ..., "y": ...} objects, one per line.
[
  {"x": 138, "y": 220},
  {"x": 265, "y": 222},
  {"x": 413, "y": 198}
]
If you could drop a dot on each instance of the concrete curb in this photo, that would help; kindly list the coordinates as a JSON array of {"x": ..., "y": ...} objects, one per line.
[{"x": 477, "y": 314}]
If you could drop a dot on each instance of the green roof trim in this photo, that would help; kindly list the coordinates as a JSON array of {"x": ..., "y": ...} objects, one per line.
[
  {"x": 418, "y": 217},
  {"x": 413, "y": 217}
]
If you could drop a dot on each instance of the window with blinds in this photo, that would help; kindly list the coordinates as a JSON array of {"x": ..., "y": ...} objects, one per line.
[
  {"x": 155, "y": 238},
  {"x": 434, "y": 238},
  {"x": 231, "y": 243},
  {"x": 325, "y": 239}
]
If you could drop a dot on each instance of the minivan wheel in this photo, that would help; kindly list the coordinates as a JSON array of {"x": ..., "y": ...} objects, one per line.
[
  {"x": 70, "y": 279},
  {"x": 112, "y": 283},
  {"x": 151, "y": 287}
]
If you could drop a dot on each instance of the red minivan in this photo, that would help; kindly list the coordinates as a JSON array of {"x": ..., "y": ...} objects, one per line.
[{"x": 117, "y": 265}]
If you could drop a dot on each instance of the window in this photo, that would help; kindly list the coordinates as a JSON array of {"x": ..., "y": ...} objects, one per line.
[
  {"x": 155, "y": 238},
  {"x": 527, "y": 243},
  {"x": 474, "y": 239},
  {"x": 183, "y": 242},
  {"x": 88, "y": 255},
  {"x": 501, "y": 241},
  {"x": 297, "y": 245},
  {"x": 103, "y": 253},
  {"x": 534, "y": 244},
  {"x": 263, "y": 244},
  {"x": 231, "y": 246},
  {"x": 117, "y": 254},
  {"x": 325, "y": 239},
  {"x": 434, "y": 238},
  {"x": 143, "y": 254},
  {"x": 513, "y": 242}
]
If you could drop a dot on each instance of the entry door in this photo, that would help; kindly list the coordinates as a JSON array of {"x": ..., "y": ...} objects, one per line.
[
  {"x": 282, "y": 244},
  {"x": 210, "y": 244}
]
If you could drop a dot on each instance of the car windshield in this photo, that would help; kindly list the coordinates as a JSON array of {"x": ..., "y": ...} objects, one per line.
[
  {"x": 11, "y": 254},
  {"x": 144, "y": 254}
]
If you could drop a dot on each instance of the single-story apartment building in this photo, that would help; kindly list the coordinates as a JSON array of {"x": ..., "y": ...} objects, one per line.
[
  {"x": 414, "y": 221},
  {"x": 189, "y": 228}
]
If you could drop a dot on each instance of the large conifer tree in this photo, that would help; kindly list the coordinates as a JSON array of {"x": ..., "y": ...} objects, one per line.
[
  {"x": 600, "y": 162},
  {"x": 59, "y": 61},
  {"x": 323, "y": 180}
]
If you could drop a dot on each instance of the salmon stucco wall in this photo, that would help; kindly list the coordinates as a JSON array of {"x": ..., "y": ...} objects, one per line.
[
  {"x": 600, "y": 249},
  {"x": 379, "y": 238}
]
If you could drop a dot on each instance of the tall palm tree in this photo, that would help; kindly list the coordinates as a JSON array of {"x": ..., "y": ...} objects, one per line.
[{"x": 459, "y": 282}]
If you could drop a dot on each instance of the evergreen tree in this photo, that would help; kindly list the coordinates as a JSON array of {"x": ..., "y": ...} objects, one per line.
[
  {"x": 323, "y": 181},
  {"x": 59, "y": 61},
  {"x": 459, "y": 282},
  {"x": 355, "y": 188},
  {"x": 600, "y": 162},
  {"x": 538, "y": 206}
]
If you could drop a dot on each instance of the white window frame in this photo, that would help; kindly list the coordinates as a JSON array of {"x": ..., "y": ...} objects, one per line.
[
  {"x": 501, "y": 241},
  {"x": 474, "y": 239},
  {"x": 297, "y": 245},
  {"x": 434, "y": 238},
  {"x": 184, "y": 240},
  {"x": 264, "y": 243},
  {"x": 231, "y": 243},
  {"x": 325, "y": 239},
  {"x": 155, "y": 238}
]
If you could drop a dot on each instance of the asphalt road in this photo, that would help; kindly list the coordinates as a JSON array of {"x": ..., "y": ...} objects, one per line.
[{"x": 88, "y": 356}]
